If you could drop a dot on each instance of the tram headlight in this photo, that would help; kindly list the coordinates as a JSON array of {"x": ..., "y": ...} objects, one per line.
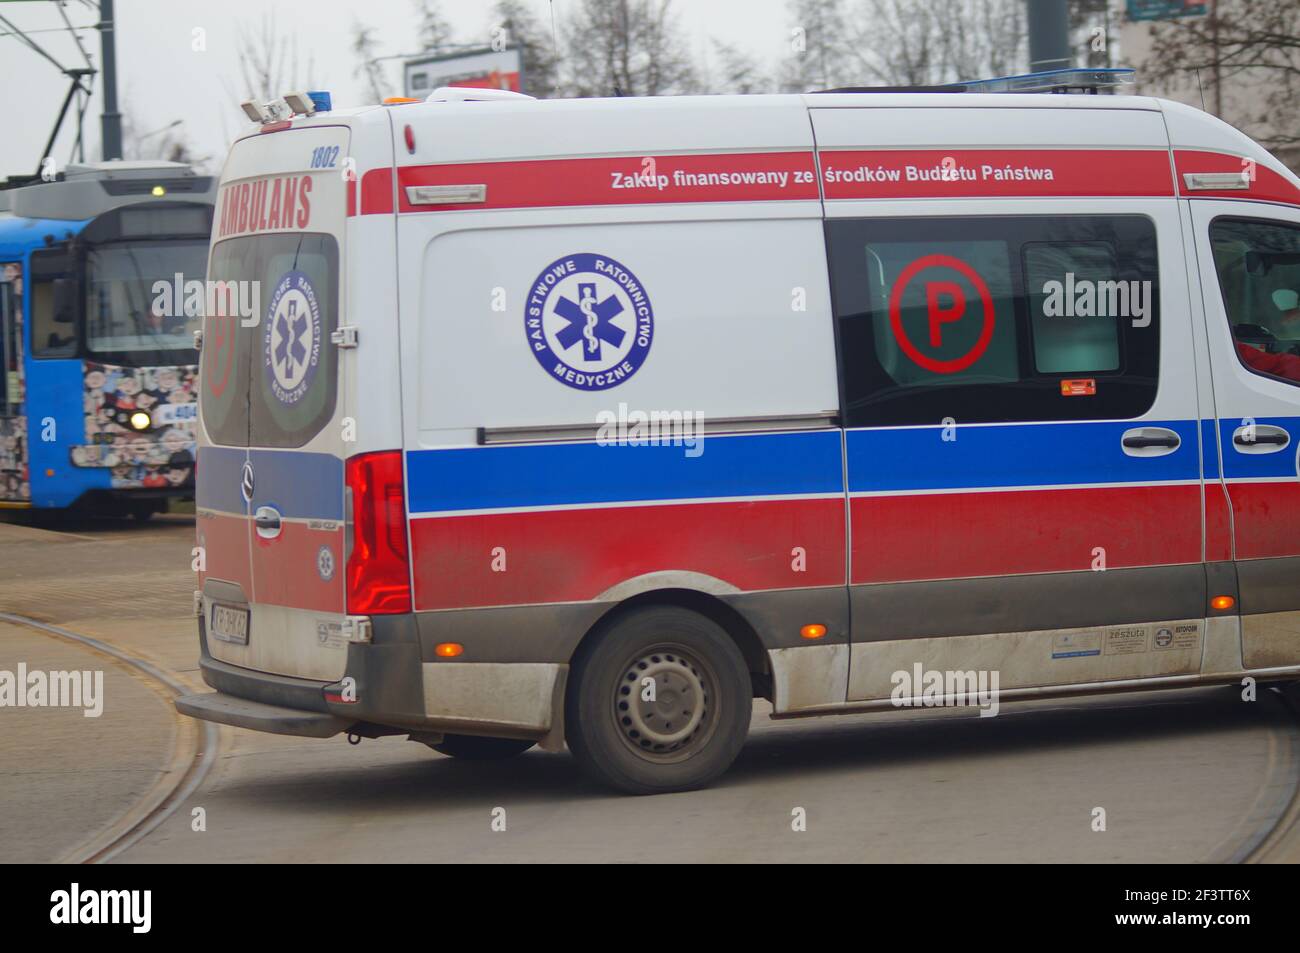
[{"x": 141, "y": 420}]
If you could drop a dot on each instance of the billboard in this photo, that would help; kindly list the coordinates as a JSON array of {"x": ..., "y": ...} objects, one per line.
[
  {"x": 483, "y": 68},
  {"x": 1165, "y": 9}
]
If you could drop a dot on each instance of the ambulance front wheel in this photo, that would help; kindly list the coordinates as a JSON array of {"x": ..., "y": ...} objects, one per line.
[{"x": 660, "y": 701}]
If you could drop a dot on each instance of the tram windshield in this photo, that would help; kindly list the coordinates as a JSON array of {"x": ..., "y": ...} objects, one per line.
[{"x": 128, "y": 320}]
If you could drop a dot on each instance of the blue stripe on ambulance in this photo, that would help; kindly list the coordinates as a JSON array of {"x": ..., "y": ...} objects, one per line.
[
  {"x": 1013, "y": 456},
  {"x": 573, "y": 474},
  {"x": 217, "y": 479},
  {"x": 1260, "y": 466},
  {"x": 300, "y": 484}
]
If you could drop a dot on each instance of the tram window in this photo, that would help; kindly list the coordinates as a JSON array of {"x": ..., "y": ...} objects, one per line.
[
  {"x": 10, "y": 362},
  {"x": 54, "y": 328},
  {"x": 124, "y": 322}
]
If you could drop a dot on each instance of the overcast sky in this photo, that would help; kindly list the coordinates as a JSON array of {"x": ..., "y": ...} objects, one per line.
[{"x": 161, "y": 78}]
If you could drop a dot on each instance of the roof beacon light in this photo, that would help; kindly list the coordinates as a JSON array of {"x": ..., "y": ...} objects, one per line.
[
  {"x": 322, "y": 100},
  {"x": 254, "y": 111},
  {"x": 301, "y": 103},
  {"x": 1054, "y": 81},
  {"x": 279, "y": 110}
]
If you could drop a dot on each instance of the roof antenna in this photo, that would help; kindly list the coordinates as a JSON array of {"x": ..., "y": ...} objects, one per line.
[{"x": 1202, "y": 89}]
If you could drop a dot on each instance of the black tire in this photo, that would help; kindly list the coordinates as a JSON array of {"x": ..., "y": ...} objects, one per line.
[
  {"x": 692, "y": 730},
  {"x": 474, "y": 748}
]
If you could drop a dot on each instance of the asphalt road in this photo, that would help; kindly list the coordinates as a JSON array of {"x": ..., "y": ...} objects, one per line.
[{"x": 1189, "y": 775}]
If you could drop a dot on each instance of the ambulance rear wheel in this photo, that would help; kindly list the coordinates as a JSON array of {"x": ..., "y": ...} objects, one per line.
[
  {"x": 659, "y": 702},
  {"x": 474, "y": 748}
]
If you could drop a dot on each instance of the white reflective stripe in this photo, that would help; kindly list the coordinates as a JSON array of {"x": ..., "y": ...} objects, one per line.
[
  {"x": 1216, "y": 181},
  {"x": 614, "y": 504},
  {"x": 929, "y": 491},
  {"x": 445, "y": 194}
]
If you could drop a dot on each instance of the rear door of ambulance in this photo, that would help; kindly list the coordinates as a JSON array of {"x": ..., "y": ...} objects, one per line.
[{"x": 270, "y": 493}]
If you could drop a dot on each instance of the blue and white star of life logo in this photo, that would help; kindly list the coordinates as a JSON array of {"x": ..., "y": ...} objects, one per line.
[
  {"x": 325, "y": 563},
  {"x": 589, "y": 321},
  {"x": 292, "y": 339}
]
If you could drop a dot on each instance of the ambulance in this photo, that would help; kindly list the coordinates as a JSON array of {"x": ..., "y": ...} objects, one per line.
[{"x": 588, "y": 423}]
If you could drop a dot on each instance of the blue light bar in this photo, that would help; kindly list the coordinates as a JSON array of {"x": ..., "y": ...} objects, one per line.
[
  {"x": 321, "y": 100},
  {"x": 1053, "y": 81}
]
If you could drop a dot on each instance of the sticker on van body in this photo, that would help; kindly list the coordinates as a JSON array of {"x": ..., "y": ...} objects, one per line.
[
  {"x": 1076, "y": 644},
  {"x": 589, "y": 321},
  {"x": 292, "y": 340}
]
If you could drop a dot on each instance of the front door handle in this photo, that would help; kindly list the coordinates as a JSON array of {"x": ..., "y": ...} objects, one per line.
[
  {"x": 267, "y": 521},
  {"x": 1150, "y": 441},
  {"x": 1260, "y": 438}
]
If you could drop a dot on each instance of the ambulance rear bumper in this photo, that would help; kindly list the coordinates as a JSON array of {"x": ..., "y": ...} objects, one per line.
[
  {"x": 391, "y": 689},
  {"x": 259, "y": 716}
]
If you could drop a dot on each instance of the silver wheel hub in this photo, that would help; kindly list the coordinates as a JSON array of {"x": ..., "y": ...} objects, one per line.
[{"x": 663, "y": 703}]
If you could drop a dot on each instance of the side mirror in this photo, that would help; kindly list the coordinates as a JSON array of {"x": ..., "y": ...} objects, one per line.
[{"x": 65, "y": 301}]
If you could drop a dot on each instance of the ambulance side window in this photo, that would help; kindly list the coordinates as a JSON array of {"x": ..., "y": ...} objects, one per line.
[
  {"x": 1258, "y": 263},
  {"x": 996, "y": 319}
]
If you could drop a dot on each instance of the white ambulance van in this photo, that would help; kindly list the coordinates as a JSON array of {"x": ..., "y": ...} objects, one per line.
[{"x": 589, "y": 422}]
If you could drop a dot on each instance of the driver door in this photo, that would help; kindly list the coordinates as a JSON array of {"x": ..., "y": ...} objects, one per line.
[{"x": 1249, "y": 259}]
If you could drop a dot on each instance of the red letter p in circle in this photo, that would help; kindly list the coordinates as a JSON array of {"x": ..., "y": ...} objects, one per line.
[{"x": 940, "y": 315}]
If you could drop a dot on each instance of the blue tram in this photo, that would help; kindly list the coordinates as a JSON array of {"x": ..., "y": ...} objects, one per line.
[{"x": 97, "y": 405}]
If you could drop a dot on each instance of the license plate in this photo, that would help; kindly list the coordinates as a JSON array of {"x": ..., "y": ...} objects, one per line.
[{"x": 230, "y": 624}]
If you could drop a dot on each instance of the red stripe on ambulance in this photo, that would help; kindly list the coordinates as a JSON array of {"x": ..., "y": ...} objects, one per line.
[
  {"x": 575, "y": 555},
  {"x": 288, "y": 569},
  {"x": 224, "y": 538},
  {"x": 1002, "y": 173},
  {"x": 1268, "y": 517},
  {"x": 958, "y": 535},
  {"x": 629, "y": 180},
  {"x": 1261, "y": 183},
  {"x": 375, "y": 193}
]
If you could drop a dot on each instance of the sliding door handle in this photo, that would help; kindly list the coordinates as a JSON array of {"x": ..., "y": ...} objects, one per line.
[{"x": 1150, "y": 442}]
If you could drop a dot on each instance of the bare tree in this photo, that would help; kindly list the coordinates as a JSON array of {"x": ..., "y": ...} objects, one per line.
[
  {"x": 366, "y": 49},
  {"x": 268, "y": 61},
  {"x": 625, "y": 47},
  {"x": 537, "y": 51},
  {"x": 170, "y": 142},
  {"x": 819, "y": 47},
  {"x": 432, "y": 28},
  {"x": 736, "y": 71},
  {"x": 899, "y": 42},
  {"x": 1248, "y": 46},
  {"x": 903, "y": 42}
]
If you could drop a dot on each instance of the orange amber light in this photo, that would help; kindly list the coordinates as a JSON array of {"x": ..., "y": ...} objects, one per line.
[
  {"x": 813, "y": 631},
  {"x": 1223, "y": 602},
  {"x": 448, "y": 649}
]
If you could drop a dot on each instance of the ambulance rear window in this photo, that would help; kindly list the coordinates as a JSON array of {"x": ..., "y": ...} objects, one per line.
[
  {"x": 274, "y": 383},
  {"x": 996, "y": 319}
]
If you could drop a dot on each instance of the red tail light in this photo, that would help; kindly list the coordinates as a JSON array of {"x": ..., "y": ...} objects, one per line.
[{"x": 379, "y": 568}]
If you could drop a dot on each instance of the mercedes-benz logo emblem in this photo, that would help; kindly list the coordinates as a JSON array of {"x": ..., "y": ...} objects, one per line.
[{"x": 246, "y": 482}]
